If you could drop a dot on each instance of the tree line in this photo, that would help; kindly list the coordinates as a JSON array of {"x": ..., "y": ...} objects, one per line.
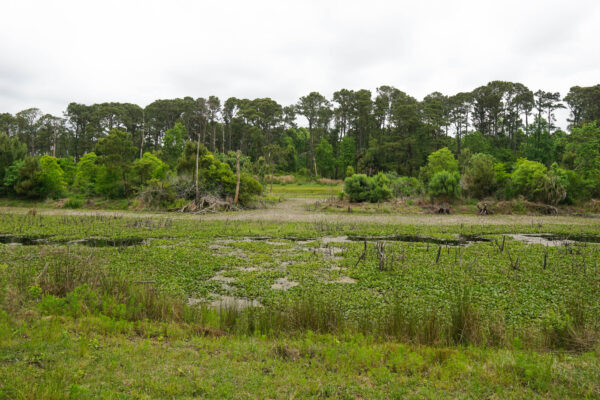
[{"x": 388, "y": 130}]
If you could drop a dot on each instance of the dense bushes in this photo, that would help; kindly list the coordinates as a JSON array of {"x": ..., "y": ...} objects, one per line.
[
  {"x": 484, "y": 168},
  {"x": 148, "y": 167},
  {"x": 86, "y": 174},
  {"x": 438, "y": 161},
  {"x": 112, "y": 171},
  {"x": 360, "y": 187},
  {"x": 444, "y": 185},
  {"x": 35, "y": 178},
  {"x": 11, "y": 150},
  {"x": 357, "y": 187},
  {"x": 529, "y": 179},
  {"x": 405, "y": 186},
  {"x": 479, "y": 178},
  {"x": 483, "y": 176}
]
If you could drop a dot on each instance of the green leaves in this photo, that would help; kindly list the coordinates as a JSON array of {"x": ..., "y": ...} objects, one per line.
[
  {"x": 359, "y": 188},
  {"x": 529, "y": 179},
  {"x": 438, "y": 161},
  {"x": 479, "y": 178},
  {"x": 444, "y": 185}
]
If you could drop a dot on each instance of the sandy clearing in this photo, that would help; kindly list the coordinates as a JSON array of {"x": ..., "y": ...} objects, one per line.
[{"x": 294, "y": 210}]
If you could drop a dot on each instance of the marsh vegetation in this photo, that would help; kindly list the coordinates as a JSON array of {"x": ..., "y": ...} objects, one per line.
[{"x": 514, "y": 299}]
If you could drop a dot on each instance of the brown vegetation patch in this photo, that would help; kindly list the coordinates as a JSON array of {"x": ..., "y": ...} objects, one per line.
[
  {"x": 281, "y": 179},
  {"x": 331, "y": 182}
]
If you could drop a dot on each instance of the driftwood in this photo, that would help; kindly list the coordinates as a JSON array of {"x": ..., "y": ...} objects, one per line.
[
  {"x": 381, "y": 255},
  {"x": 544, "y": 208},
  {"x": 208, "y": 203},
  {"x": 437, "y": 257},
  {"x": 483, "y": 209},
  {"x": 363, "y": 256},
  {"x": 444, "y": 209}
]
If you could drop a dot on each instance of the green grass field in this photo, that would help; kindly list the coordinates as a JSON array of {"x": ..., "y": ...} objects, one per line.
[
  {"x": 309, "y": 190},
  {"x": 291, "y": 303}
]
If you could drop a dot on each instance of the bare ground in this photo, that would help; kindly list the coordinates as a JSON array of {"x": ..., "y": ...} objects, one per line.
[{"x": 295, "y": 210}]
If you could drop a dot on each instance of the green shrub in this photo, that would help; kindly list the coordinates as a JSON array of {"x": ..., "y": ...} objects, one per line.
[
  {"x": 479, "y": 178},
  {"x": 554, "y": 189},
  {"x": 504, "y": 185},
  {"x": 117, "y": 152},
  {"x": 406, "y": 186},
  {"x": 86, "y": 174},
  {"x": 359, "y": 188},
  {"x": 530, "y": 179},
  {"x": 444, "y": 185},
  {"x": 216, "y": 176},
  {"x": 148, "y": 167},
  {"x": 110, "y": 183},
  {"x": 11, "y": 176},
  {"x": 324, "y": 157},
  {"x": 73, "y": 202},
  {"x": 578, "y": 188},
  {"x": 249, "y": 187},
  {"x": 438, "y": 161},
  {"x": 379, "y": 188},
  {"x": 69, "y": 168},
  {"x": 37, "y": 178},
  {"x": 303, "y": 172},
  {"x": 157, "y": 194},
  {"x": 349, "y": 171},
  {"x": 51, "y": 177},
  {"x": 582, "y": 152},
  {"x": 173, "y": 144},
  {"x": 11, "y": 150}
]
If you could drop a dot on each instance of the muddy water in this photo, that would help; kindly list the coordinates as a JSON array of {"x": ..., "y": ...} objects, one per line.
[
  {"x": 552, "y": 240},
  {"x": 91, "y": 242},
  {"x": 460, "y": 241},
  {"x": 23, "y": 240}
]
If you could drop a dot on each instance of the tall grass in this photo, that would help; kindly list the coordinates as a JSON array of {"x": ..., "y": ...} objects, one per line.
[{"x": 76, "y": 285}]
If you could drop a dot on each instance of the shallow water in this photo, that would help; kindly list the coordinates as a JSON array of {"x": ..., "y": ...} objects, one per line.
[{"x": 91, "y": 242}]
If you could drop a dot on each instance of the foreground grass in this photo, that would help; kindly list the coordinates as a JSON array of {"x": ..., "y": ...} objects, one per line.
[
  {"x": 433, "y": 322},
  {"x": 92, "y": 357}
]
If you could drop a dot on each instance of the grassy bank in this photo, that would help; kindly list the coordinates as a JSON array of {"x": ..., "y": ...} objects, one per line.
[
  {"x": 92, "y": 357},
  {"x": 440, "y": 310}
]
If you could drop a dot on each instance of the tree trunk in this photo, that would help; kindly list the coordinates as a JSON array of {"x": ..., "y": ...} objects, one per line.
[
  {"x": 214, "y": 139},
  {"x": 271, "y": 190},
  {"x": 142, "y": 135},
  {"x": 458, "y": 133},
  {"x": 237, "y": 172},
  {"x": 229, "y": 144},
  {"x": 54, "y": 137},
  {"x": 76, "y": 144},
  {"x": 312, "y": 147},
  {"x": 197, "y": 178},
  {"x": 222, "y": 139}
]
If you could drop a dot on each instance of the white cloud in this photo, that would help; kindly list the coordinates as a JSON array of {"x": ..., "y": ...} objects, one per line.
[{"x": 137, "y": 51}]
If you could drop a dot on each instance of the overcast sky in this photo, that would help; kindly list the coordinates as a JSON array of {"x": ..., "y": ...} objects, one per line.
[{"x": 55, "y": 52}]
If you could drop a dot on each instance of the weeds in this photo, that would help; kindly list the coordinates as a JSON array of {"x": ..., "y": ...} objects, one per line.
[{"x": 396, "y": 291}]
